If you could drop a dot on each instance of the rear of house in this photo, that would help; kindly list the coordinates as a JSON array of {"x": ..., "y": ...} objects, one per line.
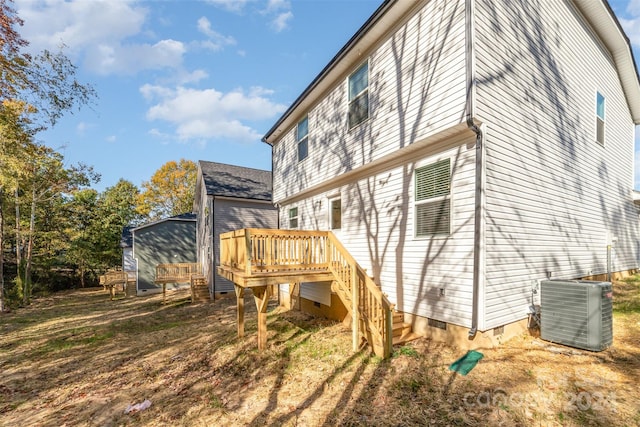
[{"x": 455, "y": 148}]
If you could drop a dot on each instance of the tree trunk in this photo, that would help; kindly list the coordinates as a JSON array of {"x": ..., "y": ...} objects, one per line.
[
  {"x": 82, "y": 270},
  {"x": 27, "y": 270},
  {"x": 18, "y": 242},
  {"x": 1, "y": 252}
]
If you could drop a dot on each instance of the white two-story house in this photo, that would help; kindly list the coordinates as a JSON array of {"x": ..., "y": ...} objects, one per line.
[{"x": 463, "y": 150}]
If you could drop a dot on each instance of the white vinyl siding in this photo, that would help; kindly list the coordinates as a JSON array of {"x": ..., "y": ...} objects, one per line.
[
  {"x": 554, "y": 198},
  {"x": 377, "y": 230},
  {"x": 413, "y": 93},
  {"x": 317, "y": 291}
]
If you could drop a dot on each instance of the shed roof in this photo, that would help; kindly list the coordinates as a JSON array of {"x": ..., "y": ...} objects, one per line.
[
  {"x": 236, "y": 181},
  {"x": 182, "y": 217}
]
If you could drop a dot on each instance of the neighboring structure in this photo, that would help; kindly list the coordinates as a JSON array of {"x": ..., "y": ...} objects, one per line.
[
  {"x": 168, "y": 241},
  {"x": 227, "y": 198},
  {"x": 463, "y": 150},
  {"x": 128, "y": 261}
]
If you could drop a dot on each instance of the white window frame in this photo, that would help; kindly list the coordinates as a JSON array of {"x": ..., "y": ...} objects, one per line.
[
  {"x": 602, "y": 119},
  {"x": 358, "y": 96},
  {"x": 304, "y": 139},
  {"x": 432, "y": 200},
  {"x": 295, "y": 218}
]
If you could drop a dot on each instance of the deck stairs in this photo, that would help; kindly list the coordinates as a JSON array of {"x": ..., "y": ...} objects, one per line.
[{"x": 261, "y": 257}]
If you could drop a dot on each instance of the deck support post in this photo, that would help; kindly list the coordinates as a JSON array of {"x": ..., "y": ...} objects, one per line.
[
  {"x": 354, "y": 310},
  {"x": 261, "y": 296},
  {"x": 240, "y": 309}
]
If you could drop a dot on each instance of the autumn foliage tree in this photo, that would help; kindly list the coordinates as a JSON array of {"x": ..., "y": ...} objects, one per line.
[
  {"x": 35, "y": 91},
  {"x": 170, "y": 191}
]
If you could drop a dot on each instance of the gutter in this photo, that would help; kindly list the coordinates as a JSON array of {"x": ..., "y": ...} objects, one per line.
[{"x": 480, "y": 171}]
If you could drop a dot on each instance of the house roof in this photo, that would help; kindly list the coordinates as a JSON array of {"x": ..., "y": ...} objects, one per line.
[
  {"x": 182, "y": 217},
  {"x": 606, "y": 25},
  {"x": 236, "y": 181},
  {"x": 598, "y": 13}
]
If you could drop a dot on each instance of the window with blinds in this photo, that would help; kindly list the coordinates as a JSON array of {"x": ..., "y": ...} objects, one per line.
[{"x": 433, "y": 199}]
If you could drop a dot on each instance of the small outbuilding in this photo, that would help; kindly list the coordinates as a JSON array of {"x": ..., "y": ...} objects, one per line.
[{"x": 168, "y": 241}]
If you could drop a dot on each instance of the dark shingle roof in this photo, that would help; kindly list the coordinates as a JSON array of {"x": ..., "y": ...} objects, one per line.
[
  {"x": 236, "y": 181},
  {"x": 189, "y": 216}
]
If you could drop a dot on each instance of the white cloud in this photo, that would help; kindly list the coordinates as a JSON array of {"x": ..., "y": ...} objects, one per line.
[
  {"x": 111, "y": 139},
  {"x": 632, "y": 28},
  {"x": 216, "y": 40},
  {"x": 130, "y": 59},
  {"x": 281, "y": 22},
  {"x": 230, "y": 5},
  {"x": 210, "y": 114},
  {"x": 631, "y": 22},
  {"x": 78, "y": 24}
]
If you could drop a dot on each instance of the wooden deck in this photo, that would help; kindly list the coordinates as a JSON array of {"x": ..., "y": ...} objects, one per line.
[
  {"x": 190, "y": 273},
  {"x": 258, "y": 258}
]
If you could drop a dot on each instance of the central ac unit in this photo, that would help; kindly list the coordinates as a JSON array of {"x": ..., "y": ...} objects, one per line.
[{"x": 577, "y": 313}]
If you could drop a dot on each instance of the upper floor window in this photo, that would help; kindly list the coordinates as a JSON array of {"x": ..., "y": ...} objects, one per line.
[
  {"x": 600, "y": 118},
  {"x": 433, "y": 199},
  {"x": 302, "y": 136},
  {"x": 359, "y": 95},
  {"x": 293, "y": 217},
  {"x": 335, "y": 214}
]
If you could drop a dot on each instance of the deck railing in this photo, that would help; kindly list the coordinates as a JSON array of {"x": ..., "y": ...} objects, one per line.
[
  {"x": 258, "y": 251},
  {"x": 176, "y": 273}
]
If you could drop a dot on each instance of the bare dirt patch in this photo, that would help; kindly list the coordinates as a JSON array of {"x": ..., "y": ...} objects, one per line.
[{"x": 76, "y": 358}]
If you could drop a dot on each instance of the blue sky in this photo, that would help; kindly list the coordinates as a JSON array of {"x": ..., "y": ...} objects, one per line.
[{"x": 201, "y": 80}]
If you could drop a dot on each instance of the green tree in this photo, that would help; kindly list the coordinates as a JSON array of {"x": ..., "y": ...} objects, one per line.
[
  {"x": 116, "y": 209},
  {"x": 170, "y": 191},
  {"x": 46, "y": 181},
  {"x": 47, "y": 87}
]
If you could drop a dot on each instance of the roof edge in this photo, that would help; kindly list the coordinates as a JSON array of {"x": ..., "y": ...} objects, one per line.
[{"x": 372, "y": 21}]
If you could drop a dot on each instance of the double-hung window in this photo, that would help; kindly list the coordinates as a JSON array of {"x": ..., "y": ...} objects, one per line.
[
  {"x": 359, "y": 95},
  {"x": 433, "y": 199},
  {"x": 293, "y": 218},
  {"x": 302, "y": 136},
  {"x": 600, "y": 118}
]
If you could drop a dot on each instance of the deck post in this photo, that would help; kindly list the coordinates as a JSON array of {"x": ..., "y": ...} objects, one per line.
[
  {"x": 240, "y": 309},
  {"x": 261, "y": 296},
  {"x": 247, "y": 248},
  {"x": 354, "y": 312}
]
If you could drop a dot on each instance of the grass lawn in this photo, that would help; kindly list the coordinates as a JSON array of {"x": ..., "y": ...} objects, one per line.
[{"x": 75, "y": 358}]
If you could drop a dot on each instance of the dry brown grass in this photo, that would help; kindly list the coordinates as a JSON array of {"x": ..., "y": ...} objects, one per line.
[{"x": 76, "y": 358}]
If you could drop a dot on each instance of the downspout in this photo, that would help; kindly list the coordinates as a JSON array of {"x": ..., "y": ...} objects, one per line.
[{"x": 479, "y": 214}]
